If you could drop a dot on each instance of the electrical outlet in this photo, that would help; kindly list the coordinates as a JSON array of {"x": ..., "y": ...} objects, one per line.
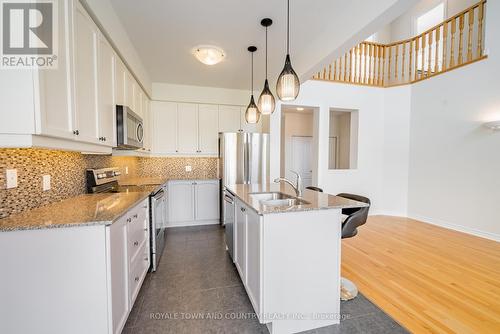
[
  {"x": 189, "y": 168},
  {"x": 46, "y": 182},
  {"x": 126, "y": 169},
  {"x": 11, "y": 176}
]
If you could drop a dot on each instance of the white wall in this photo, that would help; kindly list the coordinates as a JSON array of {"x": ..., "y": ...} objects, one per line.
[
  {"x": 103, "y": 11},
  {"x": 367, "y": 178},
  {"x": 296, "y": 124},
  {"x": 454, "y": 160}
]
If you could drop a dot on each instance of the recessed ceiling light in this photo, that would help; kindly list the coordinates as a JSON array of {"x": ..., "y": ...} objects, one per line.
[
  {"x": 300, "y": 108},
  {"x": 208, "y": 54},
  {"x": 493, "y": 125}
]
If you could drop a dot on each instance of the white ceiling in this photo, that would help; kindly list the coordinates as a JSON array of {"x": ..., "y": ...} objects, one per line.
[{"x": 164, "y": 32}]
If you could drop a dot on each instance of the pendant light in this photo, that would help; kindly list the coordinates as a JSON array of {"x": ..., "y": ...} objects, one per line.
[
  {"x": 252, "y": 114},
  {"x": 266, "y": 100},
  {"x": 288, "y": 84}
]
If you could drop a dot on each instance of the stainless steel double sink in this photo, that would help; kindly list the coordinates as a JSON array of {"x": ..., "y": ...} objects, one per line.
[{"x": 277, "y": 199}]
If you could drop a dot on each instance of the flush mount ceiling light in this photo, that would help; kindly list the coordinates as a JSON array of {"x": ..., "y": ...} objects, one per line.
[
  {"x": 300, "y": 108},
  {"x": 266, "y": 100},
  {"x": 493, "y": 125},
  {"x": 288, "y": 84},
  {"x": 208, "y": 54},
  {"x": 252, "y": 114}
]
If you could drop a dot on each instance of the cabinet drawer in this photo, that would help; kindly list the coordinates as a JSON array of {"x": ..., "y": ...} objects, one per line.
[
  {"x": 138, "y": 269},
  {"x": 138, "y": 229}
]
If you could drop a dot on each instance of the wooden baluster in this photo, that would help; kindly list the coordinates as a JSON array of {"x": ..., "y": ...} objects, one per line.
[
  {"x": 396, "y": 61},
  {"x": 416, "y": 57},
  {"x": 324, "y": 73},
  {"x": 334, "y": 69},
  {"x": 429, "y": 64},
  {"x": 436, "y": 46},
  {"x": 382, "y": 73},
  {"x": 356, "y": 72},
  {"x": 351, "y": 79},
  {"x": 480, "y": 17},
  {"x": 330, "y": 71},
  {"x": 410, "y": 62},
  {"x": 452, "y": 45},
  {"x": 366, "y": 63},
  {"x": 362, "y": 63},
  {"x": 389, "y": 56},
  {"x": 460, "y": 40},
  {"x": 469, "y": 35},
  {"x": 345, "y": 67},
  {"x": 379, "y": 62},
  {"x": 372, "y": 64},
  {"x": 403, "y": 60},
  {"x": 339, "y": 73},
  {"x": 423, "y": 56},
  {"x": 445, "y": 46}
]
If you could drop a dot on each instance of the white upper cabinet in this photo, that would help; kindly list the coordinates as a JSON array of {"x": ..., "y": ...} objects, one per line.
[
  {"x": 56, "y": 111},
  {"x": 164, "y": 116},
  {"x": 106, "y": 107},
  {"x": 120, "y": 73},
  {"x": 137, "y": 107},
  {"x": 245, "y": 127},
  {"x": 129, "y": 91},
  {"x": 229, "y": 118},
  {"x": 148, "y": 124},
  {"x": 208, "y": 128},
  {"x": 187, "y": 114},
  {"x": 85, "y": 54}
]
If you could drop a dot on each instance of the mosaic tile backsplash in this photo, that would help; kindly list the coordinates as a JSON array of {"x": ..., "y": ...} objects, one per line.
[{"x": 67, "y": 171}]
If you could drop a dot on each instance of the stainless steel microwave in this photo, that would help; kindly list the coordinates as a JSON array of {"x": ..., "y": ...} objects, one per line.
[{"x": 129, "y": 129}]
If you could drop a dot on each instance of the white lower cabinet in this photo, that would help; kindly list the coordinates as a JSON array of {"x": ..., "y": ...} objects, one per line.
[
  {"x": 248, "y": 257},
  {"x": 89, "y": 276},
  {"x": 193, "y": 202}
]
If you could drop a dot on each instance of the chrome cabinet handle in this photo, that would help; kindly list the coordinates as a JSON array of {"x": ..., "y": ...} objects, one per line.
[
  {"x": 129, "y": 220},
  {"x": 243, "y": 209},
  {"x": 76, "y": 132},
  {"x": 136, "y": 279},
  {"x": 146, "y": 229},
  {"x": 135, "y": 216},
  {"x": 146, "y": 259},
  {"x": 136, "y": 243}
]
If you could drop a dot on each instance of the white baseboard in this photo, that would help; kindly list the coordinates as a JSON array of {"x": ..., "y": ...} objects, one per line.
[
  {"x": 193, "y": 223},
  {"x": 455, "y": 227}
]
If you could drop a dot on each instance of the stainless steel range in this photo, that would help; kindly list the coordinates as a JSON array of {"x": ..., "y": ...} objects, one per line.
[{"x": 105, "y": 180}]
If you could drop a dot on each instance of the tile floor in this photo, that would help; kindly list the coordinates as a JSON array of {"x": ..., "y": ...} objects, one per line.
[{"x": 196, "y": 276}]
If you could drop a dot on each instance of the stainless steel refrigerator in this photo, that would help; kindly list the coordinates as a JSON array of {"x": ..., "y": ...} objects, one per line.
[{"x": 243, "y": 159}]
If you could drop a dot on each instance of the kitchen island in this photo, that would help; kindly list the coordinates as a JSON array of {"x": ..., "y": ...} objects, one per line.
[{"x": 287, "y": 253}]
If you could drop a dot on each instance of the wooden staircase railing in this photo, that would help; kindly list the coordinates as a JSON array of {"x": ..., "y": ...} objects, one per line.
[{"x": 456, "y": 42}]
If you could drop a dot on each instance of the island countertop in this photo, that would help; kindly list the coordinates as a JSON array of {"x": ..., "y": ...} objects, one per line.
[
  {"x": 82, "y": 210},
  {"x": 317, "y": 200}
]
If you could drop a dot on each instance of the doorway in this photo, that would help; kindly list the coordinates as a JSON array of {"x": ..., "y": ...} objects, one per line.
[{"x": 298, "y": 143}]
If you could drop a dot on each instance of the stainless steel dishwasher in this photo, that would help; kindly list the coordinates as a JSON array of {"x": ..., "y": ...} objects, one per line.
[
  {"x": 158, "y": 223},
  {"x": 229, "y": 207}
]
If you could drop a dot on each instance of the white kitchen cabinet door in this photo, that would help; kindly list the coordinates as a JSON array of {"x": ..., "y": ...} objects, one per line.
[
  {"x": 105, "y": 93},
  {"x": 249, "y": 127},
  {"x": 229, "y": 118},
  {"x": 253, "y": 258},
  {"x": 148, "y": 129},
  {"x": 208, "y": 116},
  {"x": 129, "y": 90},
  {"x": 180, "y": 201},
  {"x": 164, "y": 115},
  {"x": 119, "y": 87},
  {"x": 207, "y": 200},
  {"x": 138, "y": 97},
  {"x": 187, "y": 134},
  {"x": 56, "y": 111},
  {"x": 85, "y": 46},
  {"x": 241, "y": 240},
  {"x": 116, "y": 235}
]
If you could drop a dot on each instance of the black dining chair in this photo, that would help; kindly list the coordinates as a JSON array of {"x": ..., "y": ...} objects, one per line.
[
  {"x": 315, "y": 189},
  {"x": 355, "y": 218}
]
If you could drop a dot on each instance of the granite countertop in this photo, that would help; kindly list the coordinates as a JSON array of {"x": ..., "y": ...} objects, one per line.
[
  {"x": 317, "y": 200},
  {"x": 82, "y": 210}
]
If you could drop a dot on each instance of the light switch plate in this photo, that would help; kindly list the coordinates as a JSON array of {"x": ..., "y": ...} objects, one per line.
[
  {"x": 46, "y": 182},
  {"x": 189, "y": 168},
  {"x": 11, "y": 176}
]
